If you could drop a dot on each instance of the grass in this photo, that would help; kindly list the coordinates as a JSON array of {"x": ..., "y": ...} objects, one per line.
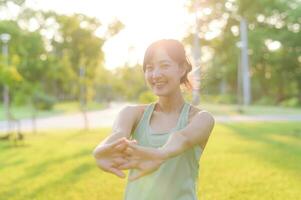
[
  {"x": 233, "y": 109},
  {"x": 21, "y": 112},
  {"x": 249, "y": 161}
]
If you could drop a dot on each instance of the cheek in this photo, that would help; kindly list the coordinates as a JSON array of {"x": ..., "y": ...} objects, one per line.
[
  {"x": 175, "y": 76},
  {"x": 147, "y": 77}
]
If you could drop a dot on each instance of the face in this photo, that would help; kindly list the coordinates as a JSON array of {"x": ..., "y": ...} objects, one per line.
[{"x": 163, "y": 74}]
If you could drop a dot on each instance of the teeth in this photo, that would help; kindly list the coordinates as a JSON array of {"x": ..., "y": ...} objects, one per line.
[{"x": 159, "y": 84}]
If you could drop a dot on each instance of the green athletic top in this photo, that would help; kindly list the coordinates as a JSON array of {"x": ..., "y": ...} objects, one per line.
[{"x": 176, "y": 178}]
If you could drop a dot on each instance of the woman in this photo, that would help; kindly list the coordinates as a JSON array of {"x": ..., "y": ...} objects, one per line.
[{"x": 161, "y": 143}]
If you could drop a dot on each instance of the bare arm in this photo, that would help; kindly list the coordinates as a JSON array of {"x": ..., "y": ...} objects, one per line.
[
  {"x": 197, "y": 132},
  {"x": 109, "y": 153},
  {"x": 147, "y": 159},
  {"x": 122, "y": 126}
]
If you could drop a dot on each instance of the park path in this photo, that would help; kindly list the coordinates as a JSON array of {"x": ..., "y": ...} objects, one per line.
[{"x": 105, "y": 118}]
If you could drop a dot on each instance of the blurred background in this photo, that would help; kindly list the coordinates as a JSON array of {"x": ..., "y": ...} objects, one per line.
[{"x": 68, "y": 67}]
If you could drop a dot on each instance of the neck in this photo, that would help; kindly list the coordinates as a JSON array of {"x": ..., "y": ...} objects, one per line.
[{"x": 170, "y": 104}]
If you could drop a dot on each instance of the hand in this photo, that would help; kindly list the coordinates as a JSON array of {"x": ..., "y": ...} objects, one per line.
[
  {"x": 145, "y": 159},
  {"x": 110, "y": 156}
]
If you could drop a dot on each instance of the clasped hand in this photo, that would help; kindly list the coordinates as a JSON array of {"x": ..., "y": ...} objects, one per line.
[{"x": 126, "y": 154}]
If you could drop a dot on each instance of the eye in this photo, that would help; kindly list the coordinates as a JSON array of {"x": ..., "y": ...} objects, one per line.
[
  {"x": 148, "y": 67},
  {"x": 165, "y": 65}
]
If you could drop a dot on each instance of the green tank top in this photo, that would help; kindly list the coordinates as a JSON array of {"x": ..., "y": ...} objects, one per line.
[{"x": 176, "y": 178}]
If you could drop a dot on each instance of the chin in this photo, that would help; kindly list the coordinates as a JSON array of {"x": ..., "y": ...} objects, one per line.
[{"x": 161, "y": 93}]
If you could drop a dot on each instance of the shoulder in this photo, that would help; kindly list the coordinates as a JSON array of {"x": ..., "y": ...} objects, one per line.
[
  {"x": 201, "y": 119},
  {"x": 196, "y": 112},
  {"x": 133, "y": 111}
]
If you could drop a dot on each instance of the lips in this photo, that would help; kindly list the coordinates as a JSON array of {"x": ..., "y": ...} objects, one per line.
[{"x": 159, "y": 84}]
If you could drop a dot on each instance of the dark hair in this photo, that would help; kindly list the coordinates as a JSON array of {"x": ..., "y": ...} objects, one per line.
[{"x": 175, "y": 51}]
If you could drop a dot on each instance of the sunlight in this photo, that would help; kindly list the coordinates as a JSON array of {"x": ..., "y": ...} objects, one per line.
[
  {"x": 152, "y": 21},
  {"x": 272, "y": 45},
  {"x": 145, "y": 21}
]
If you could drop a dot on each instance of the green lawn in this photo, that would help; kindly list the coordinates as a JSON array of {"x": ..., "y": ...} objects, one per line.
[
  {"x": 258, "y": 161},
  {"x": 25, "y": 111},
  {"x": 233, "y": 109}
]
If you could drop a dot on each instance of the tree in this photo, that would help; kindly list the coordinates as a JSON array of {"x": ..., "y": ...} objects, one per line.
[{"x": 270, "y": 23}]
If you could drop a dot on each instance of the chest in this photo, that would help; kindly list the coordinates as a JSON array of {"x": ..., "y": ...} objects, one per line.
[{"x": 161, "y": 123}]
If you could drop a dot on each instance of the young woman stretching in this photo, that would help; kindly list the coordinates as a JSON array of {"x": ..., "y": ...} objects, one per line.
[{"x": 160, "y": 143}]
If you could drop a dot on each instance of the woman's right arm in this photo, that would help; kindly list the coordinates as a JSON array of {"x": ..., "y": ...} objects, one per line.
[
  {"x": 122, "y": 126},
  {"x": 109, "y": 153}
]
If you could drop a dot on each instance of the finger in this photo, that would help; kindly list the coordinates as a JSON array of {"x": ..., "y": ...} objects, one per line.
[
  {"x": 132, "y": 157},
  {"x": 128, "y": 165},
  {"x": 133, "y": 141},
  {"x": 117, "y": 172},
  {"x": 117, "y": 142},
  {"x": 141, "y": 151},
  {"x": 133, "y": 145},
  {"x": 129, "y": 152},
  {"x": 119, "y": 161},
  {"x": 121, "y": 146},
  {"x": 136, "y": 150},
  {"x": 118, "y": 154},
  {"x": 123, "y": 142},
  {"x": 105, "y": 147},
  {"x": 127, "y": 141}
]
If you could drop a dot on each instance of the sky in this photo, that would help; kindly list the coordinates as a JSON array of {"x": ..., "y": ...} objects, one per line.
[{"x": 145, "y": 21}]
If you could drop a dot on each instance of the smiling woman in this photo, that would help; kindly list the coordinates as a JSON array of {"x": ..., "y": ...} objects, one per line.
[
  {"x": 162, "y": 57},
  {"x": 160, "y": 143}
]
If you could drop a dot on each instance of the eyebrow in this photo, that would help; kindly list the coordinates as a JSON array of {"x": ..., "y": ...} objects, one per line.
[{"x": 162, "y": 61}]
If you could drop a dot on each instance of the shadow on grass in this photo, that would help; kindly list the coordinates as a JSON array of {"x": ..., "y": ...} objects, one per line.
[
  {"x": 282, "y": 154},
  {"x": 8, "y": 151},
  {"x": 68, "y": 178},
  {"x": 39, "y": 169}
]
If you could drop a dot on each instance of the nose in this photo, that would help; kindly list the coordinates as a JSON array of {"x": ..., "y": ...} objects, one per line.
[{"x": 157, "y": 72}]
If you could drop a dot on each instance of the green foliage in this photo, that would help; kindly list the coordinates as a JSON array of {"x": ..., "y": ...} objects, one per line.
[
  {"x": 17, "y": 2},
  {"x": 52, "y": 63},
  {"x": 220, "y": 99},
  {"x": 264, "y": 100},
  {"x": 147, "y": 97},
  {"x": 9, "y": 76},
  {"x": 269, "y": 69},
  {"x": 129, "y": 82},
  {"x": 43, "y": 101},
  {"x": 292, "y": 102}
]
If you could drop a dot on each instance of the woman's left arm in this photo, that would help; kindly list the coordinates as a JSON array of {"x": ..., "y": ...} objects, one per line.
[{"x": 197, "y": 132}]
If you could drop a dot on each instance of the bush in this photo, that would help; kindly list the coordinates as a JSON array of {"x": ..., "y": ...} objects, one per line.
[
  {"x": 43, "y": 101},
  {"x": 265, "y": 101},
  {"x": 222, "y": 99},
  {"x": 291, "y": 102}
]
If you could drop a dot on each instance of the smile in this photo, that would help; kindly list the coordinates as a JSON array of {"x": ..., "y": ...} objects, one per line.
[{"x": 159, "y": 84}]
